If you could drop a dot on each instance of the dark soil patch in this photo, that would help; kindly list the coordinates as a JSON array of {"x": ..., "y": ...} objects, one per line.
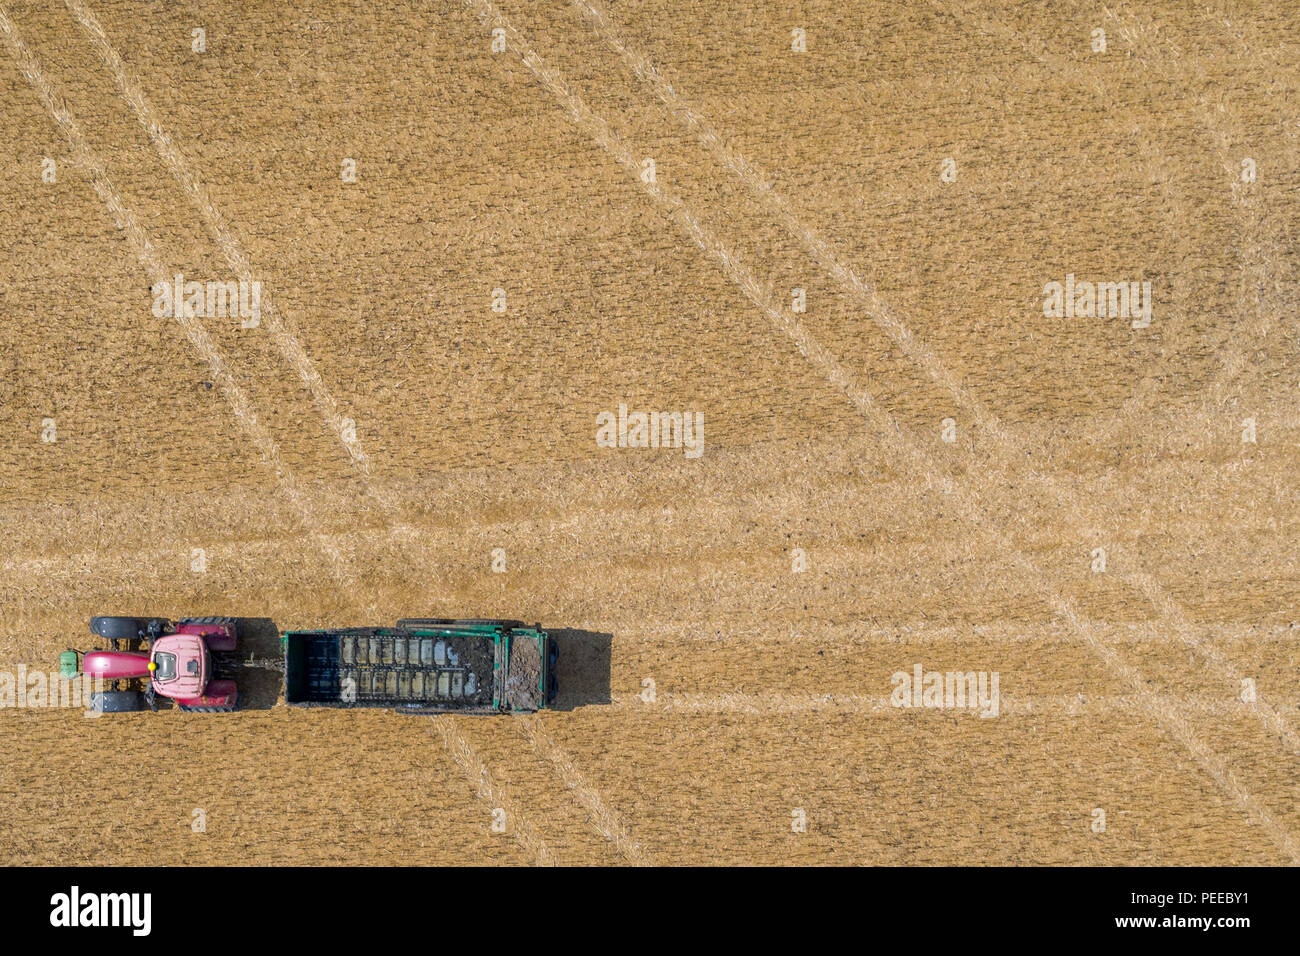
[{"x": 523, "y": 685}]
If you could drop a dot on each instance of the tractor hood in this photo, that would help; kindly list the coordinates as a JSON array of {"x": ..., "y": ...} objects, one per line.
[
  {"x": 115, "y": 665},
  {"x": 180, "y": 666}
]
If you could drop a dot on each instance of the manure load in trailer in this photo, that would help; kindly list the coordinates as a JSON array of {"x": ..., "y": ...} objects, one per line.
[{"x": 422, "y": 666}]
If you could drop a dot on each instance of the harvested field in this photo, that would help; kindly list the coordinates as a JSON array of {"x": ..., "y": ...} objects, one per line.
[{"x": 820, "y": 238}]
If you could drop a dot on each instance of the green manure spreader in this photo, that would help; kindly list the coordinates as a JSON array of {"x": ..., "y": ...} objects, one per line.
[{"x": 423, "y": 666}]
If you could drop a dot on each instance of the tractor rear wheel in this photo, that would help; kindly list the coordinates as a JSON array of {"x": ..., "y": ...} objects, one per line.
[
  {"x": 221, "y": 621},
  {"x": 224, "y": 709},
  {"x": 116, "y": 701}
]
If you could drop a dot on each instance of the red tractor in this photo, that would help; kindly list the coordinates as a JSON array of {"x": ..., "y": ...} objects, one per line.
[{"x": 181, "y": 662}]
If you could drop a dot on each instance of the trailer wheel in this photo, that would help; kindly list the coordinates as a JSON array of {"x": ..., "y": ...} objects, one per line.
[
  {"x": 119, "y": 628},
  {"x": 553, "y": 685},
  {"x": 116, "y": 701},
  {"x": 440, "y": 621}
]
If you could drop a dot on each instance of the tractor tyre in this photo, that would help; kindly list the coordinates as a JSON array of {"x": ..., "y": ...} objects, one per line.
[
  {"x": 225, "y": 709},
  {"x": 116, "y": 701},
  {"x": 119, "y": 628},
  {"x": 223, "y": 621}
]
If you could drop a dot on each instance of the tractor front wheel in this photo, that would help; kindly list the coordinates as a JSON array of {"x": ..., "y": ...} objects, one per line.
[
  {"x": 116, "y": 701},
  {"x": 124, "y": 628}
]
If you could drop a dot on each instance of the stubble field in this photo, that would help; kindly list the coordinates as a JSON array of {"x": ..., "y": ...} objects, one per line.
[{"x": 920, "y": 469}]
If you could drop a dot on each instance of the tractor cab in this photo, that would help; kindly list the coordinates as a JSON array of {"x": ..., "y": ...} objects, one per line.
[{"x": 179, "y": 666}]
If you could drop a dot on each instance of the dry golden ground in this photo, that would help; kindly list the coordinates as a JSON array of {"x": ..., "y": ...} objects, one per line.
[{"x": 475, "y": 429}]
